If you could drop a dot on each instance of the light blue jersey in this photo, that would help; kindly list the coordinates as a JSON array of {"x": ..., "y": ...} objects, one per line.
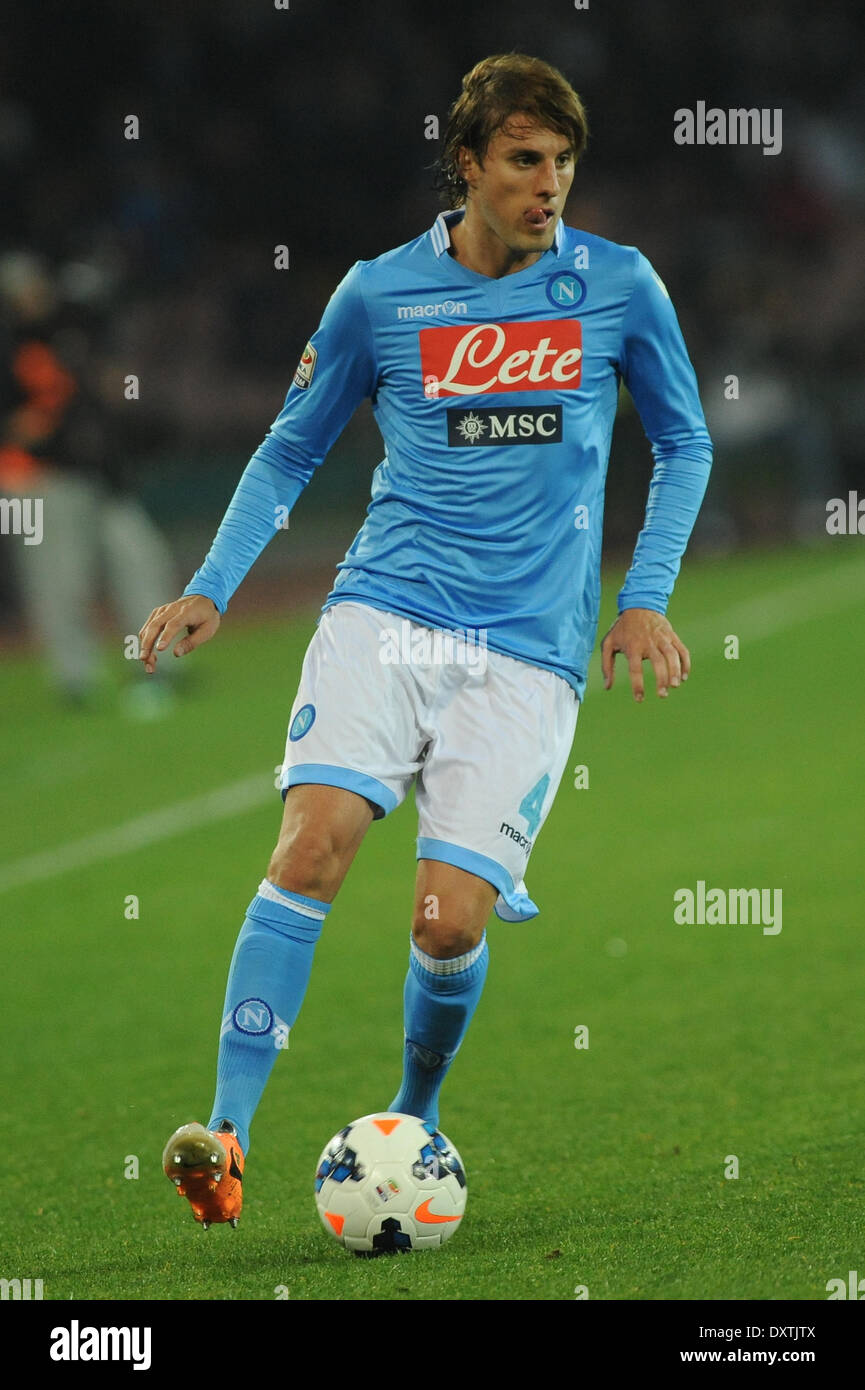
[{"x": 496, "y": 400}]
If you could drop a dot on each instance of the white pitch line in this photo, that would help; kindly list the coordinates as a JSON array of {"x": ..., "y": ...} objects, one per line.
[
  {"x": 780, "y": 609},
  {"x": 221, "y": 804},
  {"x": 753, "y": 619}
]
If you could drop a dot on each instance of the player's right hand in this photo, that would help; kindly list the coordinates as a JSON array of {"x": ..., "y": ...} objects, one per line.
[{"x": 197, "y": 615}]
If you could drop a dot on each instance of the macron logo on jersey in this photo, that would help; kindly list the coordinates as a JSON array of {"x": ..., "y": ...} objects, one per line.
[
  {"x": 430, "y": 311},
  {"x": 542, "y": 355}
]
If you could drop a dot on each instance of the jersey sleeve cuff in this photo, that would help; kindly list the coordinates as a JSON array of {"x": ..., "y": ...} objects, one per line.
[
  {"x": 206, "y": 591},
  {"x": 642, "y": 601}
]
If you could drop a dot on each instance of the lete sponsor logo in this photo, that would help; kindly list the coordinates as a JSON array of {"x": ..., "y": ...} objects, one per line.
[{"x": 481, "y": 358}]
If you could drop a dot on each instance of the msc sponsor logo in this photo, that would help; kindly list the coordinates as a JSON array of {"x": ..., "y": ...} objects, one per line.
[
  {"x": 535, "y": 424},
  {"x": 429, "y": 311},
  {"x": 482, "y": 358},
  {"x": 511, "y": 830}
]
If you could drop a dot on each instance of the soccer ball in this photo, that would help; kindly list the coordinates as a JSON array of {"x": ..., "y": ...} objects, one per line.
[{"x": 390, "y": 1183}]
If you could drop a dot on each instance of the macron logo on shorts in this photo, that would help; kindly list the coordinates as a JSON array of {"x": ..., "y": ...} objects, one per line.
[{"x": 517, "y": 835}]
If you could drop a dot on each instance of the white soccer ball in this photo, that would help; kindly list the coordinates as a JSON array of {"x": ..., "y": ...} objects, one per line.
[{"x": 389, "y": 1183}]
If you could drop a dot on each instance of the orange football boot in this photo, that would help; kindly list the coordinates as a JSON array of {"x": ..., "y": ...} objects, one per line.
[{"x": 206, "y": 1167}]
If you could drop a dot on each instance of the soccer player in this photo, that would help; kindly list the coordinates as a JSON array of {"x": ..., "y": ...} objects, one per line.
[{"x": 454, "y": 646}]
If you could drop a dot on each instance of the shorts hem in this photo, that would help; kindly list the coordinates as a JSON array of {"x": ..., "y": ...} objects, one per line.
[
  {"x": 513, "y": 905},
  {"x": 327, "y": 775}
]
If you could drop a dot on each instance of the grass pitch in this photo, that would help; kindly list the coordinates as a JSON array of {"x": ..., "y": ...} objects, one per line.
[{"x": 599, "y": 1168}]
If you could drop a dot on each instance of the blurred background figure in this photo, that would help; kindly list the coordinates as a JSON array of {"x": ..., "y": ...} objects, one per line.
[
  {"x": 168, "y": 244},
  {"x": 60, "y": 442}
]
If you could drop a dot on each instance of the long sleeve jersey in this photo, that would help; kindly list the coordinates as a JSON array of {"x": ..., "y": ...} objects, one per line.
[{"x": 496, "y": 400}]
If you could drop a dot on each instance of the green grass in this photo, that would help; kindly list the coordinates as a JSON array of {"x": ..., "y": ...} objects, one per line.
[{"x": 601, "y": 1167}]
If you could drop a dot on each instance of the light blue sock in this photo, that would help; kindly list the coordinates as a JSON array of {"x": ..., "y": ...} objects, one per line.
[
  {"x": 440, "y": 999},
  {"x": 267, "y": 980}
]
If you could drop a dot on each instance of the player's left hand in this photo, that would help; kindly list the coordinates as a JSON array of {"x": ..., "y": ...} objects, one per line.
[{"x": 644, "y": 635}]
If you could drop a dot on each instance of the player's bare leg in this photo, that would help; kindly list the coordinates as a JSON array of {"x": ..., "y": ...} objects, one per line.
[
  {"x": 322, "y": 828},
  {"x": 447, "y": 970},
  {"x": 451, "y": 909}
]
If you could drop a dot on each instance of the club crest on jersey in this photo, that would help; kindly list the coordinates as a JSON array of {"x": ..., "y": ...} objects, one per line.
[
  {"x": 530, "y": 425},
  {"x": 566, "y": 291},
  {"x": 305, "y": 367},
  {"x": 485, "y": 358}
]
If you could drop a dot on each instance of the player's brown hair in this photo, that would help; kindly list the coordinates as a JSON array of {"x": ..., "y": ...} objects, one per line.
[{"x": 495, "y": 89}]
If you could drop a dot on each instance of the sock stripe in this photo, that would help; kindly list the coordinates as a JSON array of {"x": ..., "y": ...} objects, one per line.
[
  {"x": 448, "y": 967},
  {"x": 294, "y": 902}
]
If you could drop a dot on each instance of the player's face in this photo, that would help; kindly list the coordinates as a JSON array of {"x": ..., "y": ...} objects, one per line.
[{"x": 517, "y": 196}]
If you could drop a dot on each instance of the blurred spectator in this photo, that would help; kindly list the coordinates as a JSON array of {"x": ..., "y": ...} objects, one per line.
[
  {"x": 308, "y": 128},
  {"x": 58, "y": 445}
]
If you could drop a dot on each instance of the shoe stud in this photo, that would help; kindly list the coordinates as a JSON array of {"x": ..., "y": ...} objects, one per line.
[
  {"x": 205, "y": 1225},
  {"x": 232, "y": 1221}
]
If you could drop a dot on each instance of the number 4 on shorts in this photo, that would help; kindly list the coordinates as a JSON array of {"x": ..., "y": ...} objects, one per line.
[{"x": 533, "y": 803}]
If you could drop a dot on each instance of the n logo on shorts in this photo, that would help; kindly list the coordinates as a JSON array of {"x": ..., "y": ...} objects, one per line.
[{"x": 302, "y": 722}]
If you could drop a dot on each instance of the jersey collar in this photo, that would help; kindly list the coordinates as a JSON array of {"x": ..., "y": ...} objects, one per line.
[{"x": 440, "y": 232}]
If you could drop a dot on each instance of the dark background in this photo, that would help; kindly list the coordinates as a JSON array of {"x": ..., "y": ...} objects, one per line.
[{"x": 305, "y": 127}]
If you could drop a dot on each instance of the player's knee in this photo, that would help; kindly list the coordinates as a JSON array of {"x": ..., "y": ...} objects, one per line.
[
  {"x": 306, "y": 861},
  {"x": 446, "y": 937}
]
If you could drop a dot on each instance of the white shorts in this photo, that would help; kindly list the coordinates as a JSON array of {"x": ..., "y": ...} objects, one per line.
[{"x": 383, "y": 701}]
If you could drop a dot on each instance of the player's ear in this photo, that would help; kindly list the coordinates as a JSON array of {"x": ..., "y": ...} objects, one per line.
[{"x": 467, "y": 164}]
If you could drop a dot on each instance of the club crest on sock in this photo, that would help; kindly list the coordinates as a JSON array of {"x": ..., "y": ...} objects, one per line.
[
  {"x": 256, "y": 1019},
  {"x": 252, "y": 1016}
]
